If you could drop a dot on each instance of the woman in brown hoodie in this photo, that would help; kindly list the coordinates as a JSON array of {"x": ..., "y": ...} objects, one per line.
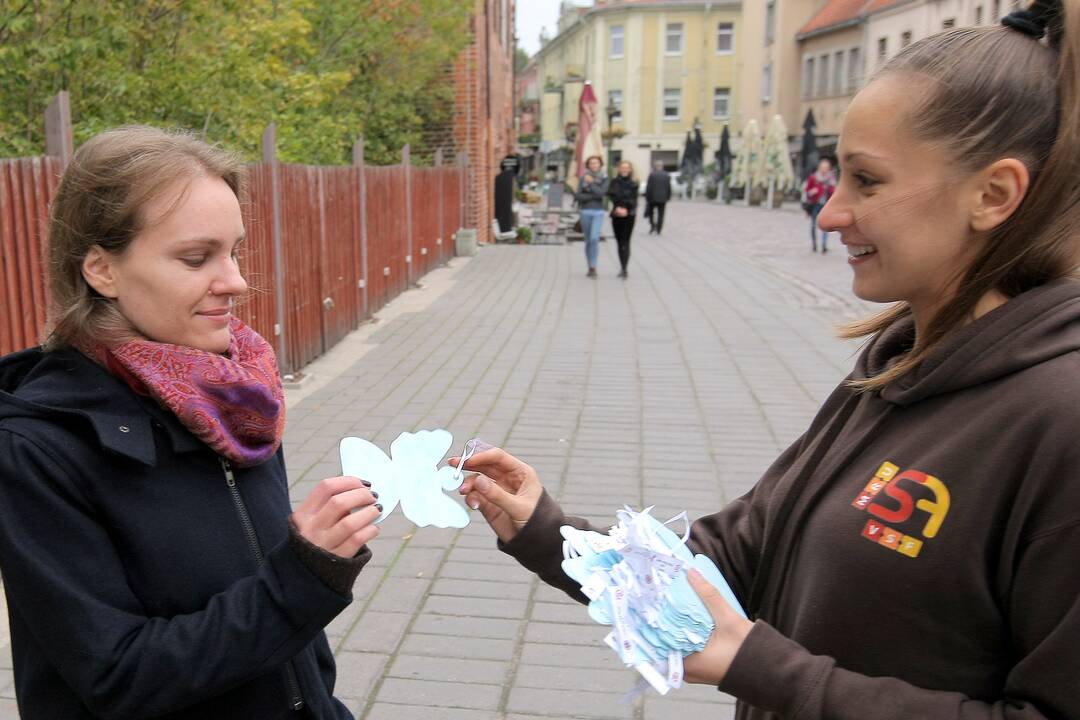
[{"x": 916, "y": 554}]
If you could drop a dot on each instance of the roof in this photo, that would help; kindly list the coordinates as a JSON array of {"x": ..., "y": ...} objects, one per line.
[{"x": 837, "y": 14}]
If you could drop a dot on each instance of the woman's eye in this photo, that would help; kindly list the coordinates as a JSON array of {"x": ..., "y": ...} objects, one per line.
[
  {"x": 864, "y": 180},
  {"x": 194, "y": 261}
]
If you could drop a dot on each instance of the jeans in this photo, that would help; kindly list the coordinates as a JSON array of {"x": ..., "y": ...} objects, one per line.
[
  {"x": 814, "y": 228},
  {"x": 591, "y": 222}
]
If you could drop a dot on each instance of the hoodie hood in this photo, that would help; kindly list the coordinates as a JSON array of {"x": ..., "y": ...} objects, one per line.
[{"x": 1031, "y": 328}]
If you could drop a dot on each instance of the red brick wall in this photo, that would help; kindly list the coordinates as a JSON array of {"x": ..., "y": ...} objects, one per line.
[{"x": 484, "y": 113}]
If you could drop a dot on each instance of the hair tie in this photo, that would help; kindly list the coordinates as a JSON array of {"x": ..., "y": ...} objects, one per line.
[{"x": 1031, "y": 21}]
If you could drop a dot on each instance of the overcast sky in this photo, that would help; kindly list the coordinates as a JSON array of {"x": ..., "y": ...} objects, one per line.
[{"x": 531, "y": 15}]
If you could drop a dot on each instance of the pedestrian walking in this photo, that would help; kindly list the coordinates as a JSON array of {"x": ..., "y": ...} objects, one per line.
[
  {"x": 590, "y": 196},
  {"x": 657, "y": 195},
  {"x": 913, "y": 554},
  {"x": 152, "y": 563},
  {"x": 623, "y": 193},
  {"x": 818, "y": 188}
]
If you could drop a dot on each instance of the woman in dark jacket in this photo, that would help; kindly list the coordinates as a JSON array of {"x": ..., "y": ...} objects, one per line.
[
  {"x": 152, "y": 563},
  {"x": 623, "y": 193}
]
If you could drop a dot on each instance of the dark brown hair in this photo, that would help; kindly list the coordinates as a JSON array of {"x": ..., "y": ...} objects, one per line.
[
  {"x": 100, "y": 202},
  {"x": 992, "y": 93},
  {"x": 594, "y": 157}
]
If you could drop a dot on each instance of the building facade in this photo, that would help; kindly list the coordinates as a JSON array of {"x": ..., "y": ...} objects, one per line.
[
  {"x": 662, "y": 67},
  {"x": 484, "y": 110},
  {"x": 847, "y": 41},
  {"x": 668, "y": 66}
]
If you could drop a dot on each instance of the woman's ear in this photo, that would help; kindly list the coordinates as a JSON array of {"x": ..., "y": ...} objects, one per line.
[
  {"x": 99, "y": 271},
  {"x": 999, "y": 190}
]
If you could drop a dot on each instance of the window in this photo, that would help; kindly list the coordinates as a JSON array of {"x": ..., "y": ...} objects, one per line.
[
  {"x": 978, "y": 15},
  {"x": 672, "y": 101},
  {"x": 905, "y": 38},
  {"x": 808, "y": 78},
  {"x": 997, "y": 10},
  {"x": 948, "y": 23},
  {"x": 854, "y": 68},
  {"x": 770, "y": 21},
  {"x": 673, "y": 41},
  {"x": 616, "y": 38},
  {"x": 721, "y": 103},
  {"x": 766, "y": 84},
  {"x": 838, "y": 73},
  {"x": 615, "y": 100},
  {"x": 823, "y": 76},
  {"x": 882, "y": 49},
  {"x": 725, "y": 38}
]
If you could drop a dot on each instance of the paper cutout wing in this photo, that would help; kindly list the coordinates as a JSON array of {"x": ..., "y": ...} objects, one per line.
[{"x": 410, "y": 476}]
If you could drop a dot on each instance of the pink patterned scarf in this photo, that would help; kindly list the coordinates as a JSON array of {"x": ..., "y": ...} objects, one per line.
[{"x": 234, "y": 403}]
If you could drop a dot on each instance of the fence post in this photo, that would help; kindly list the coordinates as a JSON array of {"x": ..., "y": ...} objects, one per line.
[
  {"x": 58, "y": 136},
  {"x": 441, "y": 242},
  {"x": 361, "y": 283},
  {"x": 269, "y": 152},
  {"x": 406, "y": 160},
  {"x": 463, "y": 190}
]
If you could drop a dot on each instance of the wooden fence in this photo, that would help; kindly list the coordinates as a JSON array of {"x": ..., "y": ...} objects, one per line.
[{"x": 349, "y": 238}]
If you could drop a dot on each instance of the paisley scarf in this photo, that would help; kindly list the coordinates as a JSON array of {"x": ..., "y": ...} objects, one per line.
[{"x": 233, "y": 402}]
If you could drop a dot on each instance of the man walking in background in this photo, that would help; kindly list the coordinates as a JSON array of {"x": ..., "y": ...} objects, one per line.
[{"x": 657, "y": 193}]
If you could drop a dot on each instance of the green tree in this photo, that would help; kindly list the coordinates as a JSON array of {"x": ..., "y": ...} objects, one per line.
[{"x": 324, "y": 70}]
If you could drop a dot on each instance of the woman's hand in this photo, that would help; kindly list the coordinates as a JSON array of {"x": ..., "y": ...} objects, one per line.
[
  {"x": 711, "y": 664},
  {"x": 506, "y": 492},
  {"x": 621, "y": 212},
  {"x": 326, "y": 517}
]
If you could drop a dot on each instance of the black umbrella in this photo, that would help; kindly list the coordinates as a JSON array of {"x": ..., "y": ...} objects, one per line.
[
  {"x": 687, "y": 155},
  {"x": 723, "y": 155},
  {"x": 809, "y": 150}
]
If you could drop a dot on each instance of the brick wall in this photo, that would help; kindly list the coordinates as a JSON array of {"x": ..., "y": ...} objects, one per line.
[{"x": 484, "y": 112}]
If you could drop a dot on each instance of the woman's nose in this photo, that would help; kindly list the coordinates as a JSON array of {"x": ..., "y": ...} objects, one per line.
[
  {"x": 835, "y": 216},
  {"x": 230, "y": 281}
]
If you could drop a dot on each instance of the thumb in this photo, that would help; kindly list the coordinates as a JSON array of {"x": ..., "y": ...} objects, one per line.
[
  {"x": 714, "y": 602},
  {"x": 493, "y": 493}
]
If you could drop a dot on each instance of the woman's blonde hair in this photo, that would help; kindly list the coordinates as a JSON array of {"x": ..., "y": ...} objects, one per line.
[
  {"x": 100, "y": 202},
  {"x": 991, "y": 93}
]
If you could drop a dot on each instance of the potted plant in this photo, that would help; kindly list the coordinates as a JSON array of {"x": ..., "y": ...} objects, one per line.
[{"x": 524, "y": 235}]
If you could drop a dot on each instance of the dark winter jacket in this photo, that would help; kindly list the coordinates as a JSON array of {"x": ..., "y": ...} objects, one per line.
[
  {"x": 623, "y": 192},
  {"x": 658, "y": 187},
  {"x": 131, "y": 554},
  {"x": 590, "y": 193},
  {"x": 914, "y": 556}
]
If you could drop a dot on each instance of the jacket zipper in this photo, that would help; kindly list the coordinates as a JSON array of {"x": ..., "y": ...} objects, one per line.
[{"x": 296, "y": 700}]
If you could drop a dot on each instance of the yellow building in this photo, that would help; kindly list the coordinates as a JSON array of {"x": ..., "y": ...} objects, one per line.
[{"x": 661, "y": 64}]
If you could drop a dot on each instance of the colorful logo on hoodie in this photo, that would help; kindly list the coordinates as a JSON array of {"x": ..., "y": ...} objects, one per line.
[{"x": 887, "y": 500}]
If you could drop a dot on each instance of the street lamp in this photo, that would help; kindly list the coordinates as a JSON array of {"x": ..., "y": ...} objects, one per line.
[{"x": 611, "y": 111}]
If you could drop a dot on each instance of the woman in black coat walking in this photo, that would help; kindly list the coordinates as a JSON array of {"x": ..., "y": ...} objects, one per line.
[
  {"x": 152, "y": 562},
  {"x": 623, "y": 193}
]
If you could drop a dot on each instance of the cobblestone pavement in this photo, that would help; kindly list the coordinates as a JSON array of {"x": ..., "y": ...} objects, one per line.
[{"x": 675, "y": 388}]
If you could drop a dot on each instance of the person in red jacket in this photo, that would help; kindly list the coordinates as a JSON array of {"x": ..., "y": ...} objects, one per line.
[
  {"x": 818, "y": 188},
  {"x": 913, "y": 556}
]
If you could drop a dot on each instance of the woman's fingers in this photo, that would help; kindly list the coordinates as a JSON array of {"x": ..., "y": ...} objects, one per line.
[
  {"x": 356, "y": 540},
  {"x": 342, "y": 504},
  {"x": 327, "y": 489},
  {"x": 346, "y": 527}
]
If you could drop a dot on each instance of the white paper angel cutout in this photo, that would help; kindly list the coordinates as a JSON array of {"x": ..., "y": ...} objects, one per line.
[{"x": 410, "y": 476}]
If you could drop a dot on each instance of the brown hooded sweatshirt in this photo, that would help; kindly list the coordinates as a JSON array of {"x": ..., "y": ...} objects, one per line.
[{"x": 916, "y": 554}]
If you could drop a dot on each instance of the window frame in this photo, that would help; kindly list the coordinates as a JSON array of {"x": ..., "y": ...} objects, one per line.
[
  {"x": 678, "y": 105},
  {"x": 730, "y": 26},
  {"x": 617, "y": 117},
  {"x": 611, "y": 42},
  {"x": 668, "y": 52},
  {"x": 725, "y": 93}
]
